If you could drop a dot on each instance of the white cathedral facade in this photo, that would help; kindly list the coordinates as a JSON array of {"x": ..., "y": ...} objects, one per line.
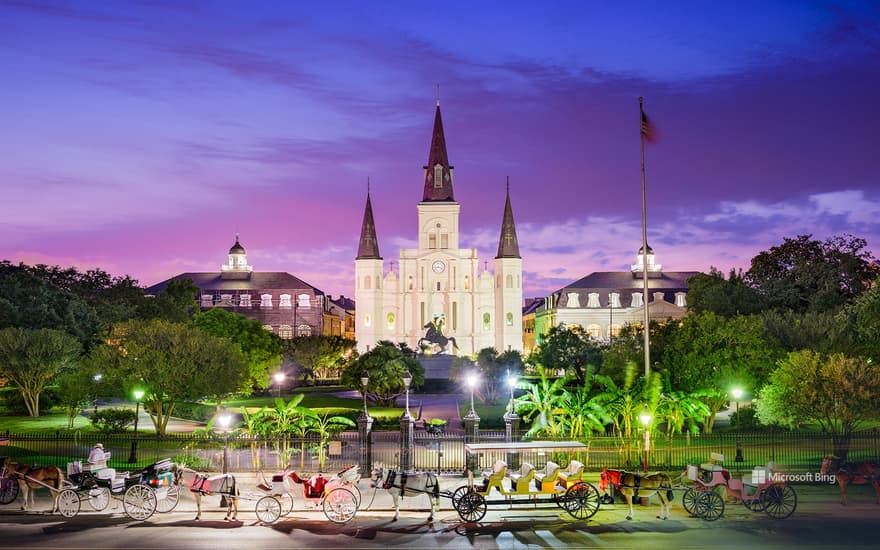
[{"x": 438, "y": 300}]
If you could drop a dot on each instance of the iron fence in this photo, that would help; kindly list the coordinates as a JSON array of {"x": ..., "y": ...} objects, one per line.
[{"x": 438, "y": 452}]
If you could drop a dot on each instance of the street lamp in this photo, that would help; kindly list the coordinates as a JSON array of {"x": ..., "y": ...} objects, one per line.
[
  {"x": 225, "y": 419},
  {"x": 279, "y": 379},
  {"x": 511, "y": 382},
  {"x": 138, "y": 395},
  {"x": 645, "y": 417},
  {"x": 407, "y": 380},
  {"x": 737, "y": 394},
  {"x": 365, "y": 380},
  {"x": 472, "y": 383}
]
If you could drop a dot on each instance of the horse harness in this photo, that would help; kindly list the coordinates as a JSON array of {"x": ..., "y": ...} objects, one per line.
[{"x": 388, "y": 483}]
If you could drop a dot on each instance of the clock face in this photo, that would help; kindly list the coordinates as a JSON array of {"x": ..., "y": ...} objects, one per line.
[{"x": 438, "y": 266}]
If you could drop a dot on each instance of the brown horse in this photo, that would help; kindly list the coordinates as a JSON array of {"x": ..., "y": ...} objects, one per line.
[
  {"x": 855, "y": 473},
  {"x": 634, "y": 485},
  {"x": 36, "y": 477}
]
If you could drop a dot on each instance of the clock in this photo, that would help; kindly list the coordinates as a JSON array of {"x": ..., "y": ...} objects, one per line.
[{"x": 438, "y": 266}]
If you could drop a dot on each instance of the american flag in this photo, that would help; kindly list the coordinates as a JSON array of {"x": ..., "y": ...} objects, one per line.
[{"x": 648, "y": 130}]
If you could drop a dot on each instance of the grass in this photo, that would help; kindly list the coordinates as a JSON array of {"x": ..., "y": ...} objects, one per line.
[{"x": 46, "y": 422}]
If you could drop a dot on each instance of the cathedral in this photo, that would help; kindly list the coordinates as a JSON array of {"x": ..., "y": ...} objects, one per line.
[{"x": 438, "y": 301}]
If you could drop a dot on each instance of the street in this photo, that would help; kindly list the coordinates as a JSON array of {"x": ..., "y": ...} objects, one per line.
[{"x": 819, "y": 522}]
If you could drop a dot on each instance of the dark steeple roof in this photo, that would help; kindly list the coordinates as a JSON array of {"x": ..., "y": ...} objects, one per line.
[
  {"x": 368, "y": 248},
  {"x": 437, "y": 155},
  {"x": 236, "y": 248},
  {"x": 508, "y": 246}
]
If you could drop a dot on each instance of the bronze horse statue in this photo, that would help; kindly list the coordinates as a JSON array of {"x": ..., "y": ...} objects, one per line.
[{"x": 433, "y": 336}]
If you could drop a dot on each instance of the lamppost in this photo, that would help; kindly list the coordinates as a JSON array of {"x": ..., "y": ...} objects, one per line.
[
  {"x": 472, "y": 383},
  {"x": 737, "y": 394},
  {"x": 511, "y": 383},
  {"x": 279, "y": 379},
  {"x": 511, "y": 423},
  {"x": 407, "y": 380},
  {"x": 138, "y": 395},
  {"x": 365, "y": 380},
  {"x": 97, "y": 378},
  {"x": 645, "y": 417},
  {"x": 224, "y": 420},
  {"x": 365, "y": 424}
]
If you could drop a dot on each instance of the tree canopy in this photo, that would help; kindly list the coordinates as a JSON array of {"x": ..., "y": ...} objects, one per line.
[
  {"x": 836, "y": 392},
  {"x": 261, "y": 348},
  {"x": 385, "y": 364},
  {"x": 31, "y": 358},
  {"x": 319, "y": 356},
  {"x": 804, "y": 274},
  {"x": 570, "y": 350},
  {"x": 725, "y": 297}
]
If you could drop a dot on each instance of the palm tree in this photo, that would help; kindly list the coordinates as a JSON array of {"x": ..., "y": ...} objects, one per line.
[
  {"x": 544, "y": 405},
  {"x": 325, "y": 426}
]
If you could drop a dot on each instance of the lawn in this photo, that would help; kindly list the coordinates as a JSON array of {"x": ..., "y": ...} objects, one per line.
[{"x": 50, "y": 421}]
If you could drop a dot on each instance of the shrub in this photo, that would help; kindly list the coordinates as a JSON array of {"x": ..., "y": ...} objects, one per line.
[
  {"x": 112, "y": 420},
  {"x": 197, "y": 412},
  {"x": 744, "y": 419}
]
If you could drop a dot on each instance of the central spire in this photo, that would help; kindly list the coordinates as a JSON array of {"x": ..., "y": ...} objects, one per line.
[
  {"x": 508, "y": 245},
  {"x": 438, "y": 172},
  {"x": 368, "y": 247}
]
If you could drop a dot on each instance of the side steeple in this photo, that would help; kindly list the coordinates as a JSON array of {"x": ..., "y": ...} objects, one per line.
[
  {"x": 508, "y": 246},
  {"x": 438, "y": 172},
  {"x": 368, "y": 248}
]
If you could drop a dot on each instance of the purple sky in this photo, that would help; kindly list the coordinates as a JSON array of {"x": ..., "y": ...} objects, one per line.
[{"x": 137, "y": 137}]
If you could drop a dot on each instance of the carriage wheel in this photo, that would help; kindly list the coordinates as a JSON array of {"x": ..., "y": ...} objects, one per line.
[
  {"x": 689, "y": 501},
  {"x": 755, "y": 504},
  {"x": 68, "y": 503},
  {"x": 457, "y": 494},
  {"x": 139, "y": 502},
  {"x": 471, "y": 506},
  {"x": 340, "y": 505},
  {"x": 282, "y": 500},
  {"x": 581, "y": 500},
  {"x": 780, "y": 501},
  {"x": 710, "y": 506},
  {"x": 99, "y": 498},
  {"x": 172, "y": 497},
  {"x": 8, "y": 490},
  {"x": 268, "y": 509},
  {"x": 355, "y": 491}
]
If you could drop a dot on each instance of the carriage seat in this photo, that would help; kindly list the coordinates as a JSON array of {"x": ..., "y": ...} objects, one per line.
[
  {"x": 714, "y": 464},
  {"x": 265, "y": 485},
  {"x": 520, "y": 480},
  {"x": 572, "y": 474},
  {"x": 495, "y": 476},
  {"x": 546, "y": 480},
  {"x": 759, "y": 475},
  {"x": 117, "y": 481}
]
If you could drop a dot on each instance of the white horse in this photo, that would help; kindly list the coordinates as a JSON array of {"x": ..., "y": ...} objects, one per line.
[
  {"x": 201, "y": 485},
  {"x": 401, "y": 484}
]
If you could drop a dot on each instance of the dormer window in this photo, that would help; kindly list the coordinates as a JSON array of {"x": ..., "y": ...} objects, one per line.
[
  {"x": 302, "y": 301},
  {"x": 266, "y": 301},
  {"x": 593, "y": 300},
  {"x": 226, "y": 300},
  {"x": 438, "y": 176},
  {"x": 574, "y": 299},
  {"x": 614, "y": 299},
  {"x": 284, "y": 302},
  {"x": 244, "y": 300},
  {"x": 207, "y": 300},
  {"x": 637, "y": 299},
  {"x": 680, "y": 300}
]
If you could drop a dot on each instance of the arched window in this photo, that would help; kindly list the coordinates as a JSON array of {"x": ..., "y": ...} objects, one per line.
[
  {"x": 510, "y": 281},
  {"x": 467, "y": 282},
  {"x": 390, "y": 321},
  {"x": 367, "y": 320},
  {"x": 614, "y": 331},
  {"x": 487, "y": 322},
  {"x": 595, "y": 331},
  {"x": 509, "y": 319},
  {"x": 285, "y": 332},
  {"x": 368, "y": 282},
  {"x": 438, "y": 285},
  {"x": 304, "y": 330},
  {"x": 409, "y": 283},
  {"x": 269, "y": 328}
]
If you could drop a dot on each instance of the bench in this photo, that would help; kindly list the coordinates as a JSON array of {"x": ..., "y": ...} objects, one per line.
[
  {"x": 545, "y": 481},
  {"x": 520, "y": 481},
  {"x": 572, "y": 474}
]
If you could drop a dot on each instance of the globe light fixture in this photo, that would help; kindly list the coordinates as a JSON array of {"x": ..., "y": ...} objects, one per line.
[
  {"x": 279, "y": 380},
  {"x": 471, "y": 381},
  {"x": 407, "y": 380},
  {"x": 365, "y": 381},
  {"x": 225, "y": 420},
  {"x": 511, "y": 383},
  {"x": 645, "y": 418},
  {"x": 737, "y": 393}
]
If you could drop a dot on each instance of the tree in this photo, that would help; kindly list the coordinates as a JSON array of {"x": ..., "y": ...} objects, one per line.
[
  {"x": 822, "y": 331},
  {"x": 27, "y": 301},
  {"x": 321, "y": 357},
  {"x": 836, "y": 392},
  {"x": 30, "y": 359},
  {"x": 492, "y": 368},
  {"x": 803, "y": 274},
  {"x": 863, "y": 322},
  {"x": 176, "y": 302},
  {"x": 171, "y": 362},
  {"x": 77, "y": 388},
  {"x": 543, "y": 404},
  {"x": 570, "y": 350},
  {"x": 385, "y": 364},
  {"x": 261, "y": 348},
  {"x": 725, "y": 297},
  {"x": 712, "y": 353}
]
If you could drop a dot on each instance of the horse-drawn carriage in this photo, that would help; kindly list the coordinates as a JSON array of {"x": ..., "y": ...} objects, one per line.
[
  {"x": 142, "y": 493},
  {"x": 758, "y": 491},
  {"x": 338, "y": 495},
  {"x": 564, "y": 487}
]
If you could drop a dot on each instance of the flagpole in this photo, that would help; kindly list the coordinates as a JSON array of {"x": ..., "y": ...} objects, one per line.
[{"x": 644, "y": 245}]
